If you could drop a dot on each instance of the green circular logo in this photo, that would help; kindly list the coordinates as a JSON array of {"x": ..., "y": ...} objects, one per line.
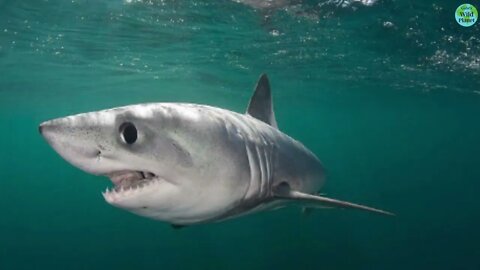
[{"x": 466, "y": 15}]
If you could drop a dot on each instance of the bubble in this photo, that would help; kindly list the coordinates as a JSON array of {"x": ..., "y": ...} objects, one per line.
[
  {"x": 275, "y": 33},
  {"x": 388, "y": 24}
]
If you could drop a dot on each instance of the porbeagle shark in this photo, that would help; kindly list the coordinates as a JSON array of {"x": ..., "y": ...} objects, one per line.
[{"x": 187, "y": 163}]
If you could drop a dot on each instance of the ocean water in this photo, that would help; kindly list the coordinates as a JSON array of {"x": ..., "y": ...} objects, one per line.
[{"x": 386, "y": 93}]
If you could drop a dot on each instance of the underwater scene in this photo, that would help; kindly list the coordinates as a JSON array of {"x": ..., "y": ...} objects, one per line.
[{"x": 385, "y": 93}]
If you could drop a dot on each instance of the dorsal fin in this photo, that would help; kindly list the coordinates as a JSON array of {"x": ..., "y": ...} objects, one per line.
[{"x": 261, "y": 105}]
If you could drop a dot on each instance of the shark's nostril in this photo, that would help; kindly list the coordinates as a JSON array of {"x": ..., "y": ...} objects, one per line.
[
  {"x": 40, "y": 127},
  {"x": 98, "y": 155}
]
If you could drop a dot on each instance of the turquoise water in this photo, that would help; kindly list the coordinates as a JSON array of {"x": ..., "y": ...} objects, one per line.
[{"x": 387, "y": 95}]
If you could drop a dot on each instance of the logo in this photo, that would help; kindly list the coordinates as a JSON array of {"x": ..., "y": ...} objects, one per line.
[{"x": 466, "y": 15}]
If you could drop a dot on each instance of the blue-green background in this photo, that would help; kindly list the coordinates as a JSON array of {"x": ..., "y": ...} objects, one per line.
[{"x": 387, "y": 95}]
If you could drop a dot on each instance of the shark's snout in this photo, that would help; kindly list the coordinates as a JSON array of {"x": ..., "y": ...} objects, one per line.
[
  {"x": 48, "y": 127},
  {"x": 44, "y": 127},
  {"x": 76, "y": 142}
]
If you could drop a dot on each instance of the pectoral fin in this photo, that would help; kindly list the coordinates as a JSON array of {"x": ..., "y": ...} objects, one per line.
[{"x": 312, "y": 200}]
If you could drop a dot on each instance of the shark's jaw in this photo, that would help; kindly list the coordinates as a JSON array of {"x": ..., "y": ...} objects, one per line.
[
  {"x": 124, "y": 180},
  {"x": 128, "y": 184}
]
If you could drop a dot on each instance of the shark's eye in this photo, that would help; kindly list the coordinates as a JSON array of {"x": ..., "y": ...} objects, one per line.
[{"x": 128, "y": 131}]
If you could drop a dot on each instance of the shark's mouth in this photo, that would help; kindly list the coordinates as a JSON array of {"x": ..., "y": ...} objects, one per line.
[{"x": 130, "y": 180}]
